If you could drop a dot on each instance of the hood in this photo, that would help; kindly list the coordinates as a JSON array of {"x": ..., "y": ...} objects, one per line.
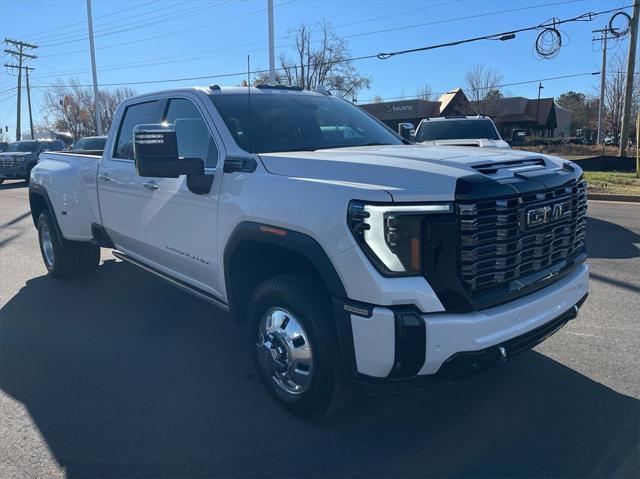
[
  {"x": 15, "y": 154},
  {"x": 481, "y": 142},
  {"x": 407, "y": 172}
]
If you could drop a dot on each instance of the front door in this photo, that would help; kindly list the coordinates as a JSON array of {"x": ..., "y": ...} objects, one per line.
[{"x": 159, "y": 220}]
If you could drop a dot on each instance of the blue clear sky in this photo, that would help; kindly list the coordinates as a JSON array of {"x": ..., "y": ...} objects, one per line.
[{"x": 139, "y": 40}]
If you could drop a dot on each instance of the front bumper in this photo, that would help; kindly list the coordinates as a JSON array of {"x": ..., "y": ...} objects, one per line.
[
  {"x": 393, "y": 343},
  {"x": 17, "y": 170}
]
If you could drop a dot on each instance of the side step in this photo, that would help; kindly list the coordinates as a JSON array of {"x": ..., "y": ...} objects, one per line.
[{"x": 174, "y": 281}]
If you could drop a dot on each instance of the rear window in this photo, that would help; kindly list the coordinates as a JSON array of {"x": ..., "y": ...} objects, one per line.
[
  {"x": 89, "y": 144},
  {"x": 54, "y": 145},
  {"x": 456, "y": 130}
]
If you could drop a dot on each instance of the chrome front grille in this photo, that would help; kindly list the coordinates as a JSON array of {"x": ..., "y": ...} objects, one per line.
[
  {"x": 8, "y": 163},
  {"x": 503, "y": 240}
]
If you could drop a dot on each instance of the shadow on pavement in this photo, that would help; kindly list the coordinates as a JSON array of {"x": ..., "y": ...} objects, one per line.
[
  {"x": 610, "y": 241},
  {"x": 127, "y": 376},
  {"x": 15, "y": 220},
  {"x": 13, "y": 185}
]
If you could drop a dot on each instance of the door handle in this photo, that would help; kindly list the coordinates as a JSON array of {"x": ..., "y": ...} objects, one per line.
[
  {"x": 104, "y": 177},
  {"x": 151, "y": 185}
]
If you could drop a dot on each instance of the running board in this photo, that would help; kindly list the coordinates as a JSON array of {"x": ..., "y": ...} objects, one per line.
[{"x": 175, "y": 282}]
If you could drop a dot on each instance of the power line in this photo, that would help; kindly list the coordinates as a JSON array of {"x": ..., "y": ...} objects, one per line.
[
  {"x": 589, "y": 16},
  {"x": 524, "y": 82},
  {"x": 553, "y": 23},
  {"x": 160, "y": 19},
  {"x": 466, "y": 17},
  {"x": 164, "y": 34},
  {"x": 385, "y": 17},
  {"x": 366, "y": 20},
  {"x": 81, "y": 22}
]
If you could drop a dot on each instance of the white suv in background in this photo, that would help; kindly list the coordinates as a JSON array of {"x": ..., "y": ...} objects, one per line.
[{"x": 460, "y": 131}]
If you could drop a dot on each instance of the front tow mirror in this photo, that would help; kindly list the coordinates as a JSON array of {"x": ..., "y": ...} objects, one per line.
[
  {"x": 407, "y": 131},
  {"x": 155, "y": 149}
]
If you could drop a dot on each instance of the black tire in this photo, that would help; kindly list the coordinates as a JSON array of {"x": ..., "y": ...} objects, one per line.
[
  {"x": 1, "y": 180},
  {"x": 63, "y": 262},
  {"x": 328, "y": 390},
  {"x": 88, "y": 258}
]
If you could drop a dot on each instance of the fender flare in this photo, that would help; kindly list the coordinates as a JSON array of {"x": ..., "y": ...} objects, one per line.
[
  {"x": 291, "y": 240},
  {"x": 39, "y": 190}
]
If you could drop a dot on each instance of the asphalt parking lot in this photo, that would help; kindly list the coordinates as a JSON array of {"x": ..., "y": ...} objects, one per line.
[{"x": 121, "y": 375}]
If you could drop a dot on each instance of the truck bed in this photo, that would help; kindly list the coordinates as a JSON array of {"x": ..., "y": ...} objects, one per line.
[{"x": 71, "y": 190}]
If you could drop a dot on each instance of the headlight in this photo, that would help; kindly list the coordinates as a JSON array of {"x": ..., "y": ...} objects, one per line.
[{"x": 391, "y": 234}]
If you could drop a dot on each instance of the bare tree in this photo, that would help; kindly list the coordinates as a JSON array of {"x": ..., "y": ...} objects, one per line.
[
  {"x": 376, "y": 99},
  {"x": 69, "y": 107},
  {"x": 324, "y": 66},
  {"x": 614, "y": 95},
  {"x": 425, "y": 92},
  {"x": 109, "y": 101},
  {"x": 482, "y": 84}
]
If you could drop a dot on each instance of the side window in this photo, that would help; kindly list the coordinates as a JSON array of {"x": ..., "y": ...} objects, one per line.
[
  {"x": 137, "y": 114},
  {"x": 194, "y": 138}
]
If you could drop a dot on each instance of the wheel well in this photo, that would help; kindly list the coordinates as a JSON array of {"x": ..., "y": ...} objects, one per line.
[
  {"x": 253, "y": 262},
  {"x": 38, "y": 205}
]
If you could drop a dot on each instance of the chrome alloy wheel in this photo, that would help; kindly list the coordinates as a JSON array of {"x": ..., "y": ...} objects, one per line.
[
  {"x": 284, "y": 351},
  {"x": 47, "y": 245}
]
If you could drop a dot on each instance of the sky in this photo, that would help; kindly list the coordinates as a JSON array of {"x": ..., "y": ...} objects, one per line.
[{"x": 151, "y": 40}]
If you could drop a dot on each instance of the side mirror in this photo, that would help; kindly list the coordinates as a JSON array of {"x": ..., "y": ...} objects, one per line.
[
  {"x": 155, "y": 150},
  {"x": 405, "y": 130}
]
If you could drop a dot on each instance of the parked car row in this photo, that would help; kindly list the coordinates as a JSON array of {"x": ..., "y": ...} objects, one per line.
[{"x": 19, "y": 158}]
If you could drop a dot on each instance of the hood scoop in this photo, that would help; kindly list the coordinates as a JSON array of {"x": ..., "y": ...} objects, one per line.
[{"x": 508, "y": 169}]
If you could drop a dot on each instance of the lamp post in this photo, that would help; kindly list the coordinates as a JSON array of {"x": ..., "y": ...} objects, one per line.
[{"x": 540, "y": 87}]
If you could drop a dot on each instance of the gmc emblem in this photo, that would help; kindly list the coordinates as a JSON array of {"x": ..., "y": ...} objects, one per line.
[{"x": 547, "y": 214}]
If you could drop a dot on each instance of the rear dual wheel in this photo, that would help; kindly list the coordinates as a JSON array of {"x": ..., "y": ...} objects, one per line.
[{"x": 64, "y": 258}]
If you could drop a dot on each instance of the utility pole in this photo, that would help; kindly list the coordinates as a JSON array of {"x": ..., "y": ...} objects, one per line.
[
  {"x": 17, "y": 49},
  {"x": 628, "y": 87},
  {"x": 540, "y": 87},
  {"x": 603, "y": 79},
  {"x": 96, "y": 101},
  {"x": 272, "y": 66},
  {"x": 26, "y": 71}
]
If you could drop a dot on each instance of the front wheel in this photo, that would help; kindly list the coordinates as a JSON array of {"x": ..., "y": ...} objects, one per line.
[{"x": 295, "y": 348}]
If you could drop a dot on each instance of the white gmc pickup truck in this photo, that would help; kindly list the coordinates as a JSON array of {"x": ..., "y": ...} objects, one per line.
[{"x": 349, "y": 254}]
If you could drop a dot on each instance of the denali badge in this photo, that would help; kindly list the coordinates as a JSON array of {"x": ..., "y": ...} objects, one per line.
[{"x": 547, "y": 214}]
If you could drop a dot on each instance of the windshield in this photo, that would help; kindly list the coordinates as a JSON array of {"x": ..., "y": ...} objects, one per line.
[
  {"x": 89, "y": 144},
  {"x": 456, "y": 130},
  {"x": 23, "y": 146},
  {"x": 292, "y": 122}
]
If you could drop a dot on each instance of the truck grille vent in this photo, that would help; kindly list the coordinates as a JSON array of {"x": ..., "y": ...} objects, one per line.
[{"x": 503, "y": 240}]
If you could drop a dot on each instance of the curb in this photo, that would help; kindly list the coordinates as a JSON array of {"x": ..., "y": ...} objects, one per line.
[{"x": 608, "y": 197}]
